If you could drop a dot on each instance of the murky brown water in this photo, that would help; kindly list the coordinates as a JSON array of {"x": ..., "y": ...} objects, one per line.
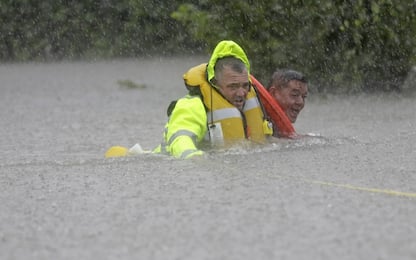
[{"x": 348, "y": 194}]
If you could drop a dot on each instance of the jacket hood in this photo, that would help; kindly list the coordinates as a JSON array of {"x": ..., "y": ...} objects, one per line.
[{"x": 226, "y": 49}]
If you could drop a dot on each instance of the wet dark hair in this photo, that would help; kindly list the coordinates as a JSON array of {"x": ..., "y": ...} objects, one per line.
[
  {"x": 281, "y": 77},
  {"x": 236, "y": 65}
]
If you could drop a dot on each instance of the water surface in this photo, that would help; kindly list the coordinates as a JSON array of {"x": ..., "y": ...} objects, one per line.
[{"x": 349, "y": 192}]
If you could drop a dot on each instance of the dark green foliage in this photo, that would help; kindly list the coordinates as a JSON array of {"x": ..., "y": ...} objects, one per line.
[
  {"x": 363, "y": 44},
  {"x": 57, "y": 29}
]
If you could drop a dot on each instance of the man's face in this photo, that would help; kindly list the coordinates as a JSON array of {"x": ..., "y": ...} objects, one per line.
[
  {"x": 234, "y": 86},
  {"x": 291, "y": 98}
]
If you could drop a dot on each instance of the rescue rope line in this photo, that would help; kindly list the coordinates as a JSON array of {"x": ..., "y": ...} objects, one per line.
[
  {"x": 344, "y": 186},
  {"x": 353, "y": 187},
  {"x": 373, "y": 190}
]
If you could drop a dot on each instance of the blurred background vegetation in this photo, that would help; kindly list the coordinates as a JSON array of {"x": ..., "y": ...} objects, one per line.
[{"x": 342, "y": 46}]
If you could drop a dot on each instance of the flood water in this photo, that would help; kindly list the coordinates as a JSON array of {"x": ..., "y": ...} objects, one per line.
[{"x": 349, "y": 192}]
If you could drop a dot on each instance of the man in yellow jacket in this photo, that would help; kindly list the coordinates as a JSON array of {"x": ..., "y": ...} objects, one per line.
[{"x": 222, "y": 107}]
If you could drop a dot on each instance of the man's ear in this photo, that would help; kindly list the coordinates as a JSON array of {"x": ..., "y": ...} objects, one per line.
[{"x": 272, "y": 90}]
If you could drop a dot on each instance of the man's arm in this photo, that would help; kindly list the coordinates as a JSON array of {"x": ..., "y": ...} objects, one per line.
[{"x": 186, "y": 127}]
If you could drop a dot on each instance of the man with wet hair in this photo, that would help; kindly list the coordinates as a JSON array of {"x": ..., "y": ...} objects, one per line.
[
  {"x": 222, "y": 108},
  {"x": 290, "y": 89}
]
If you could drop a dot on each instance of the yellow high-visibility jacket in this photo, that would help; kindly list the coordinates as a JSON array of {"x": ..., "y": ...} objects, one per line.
[{"x": 209, "y": 116}]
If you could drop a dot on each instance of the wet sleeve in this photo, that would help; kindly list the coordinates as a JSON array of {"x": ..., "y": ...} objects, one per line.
[{"x": 186, "y": 128}]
